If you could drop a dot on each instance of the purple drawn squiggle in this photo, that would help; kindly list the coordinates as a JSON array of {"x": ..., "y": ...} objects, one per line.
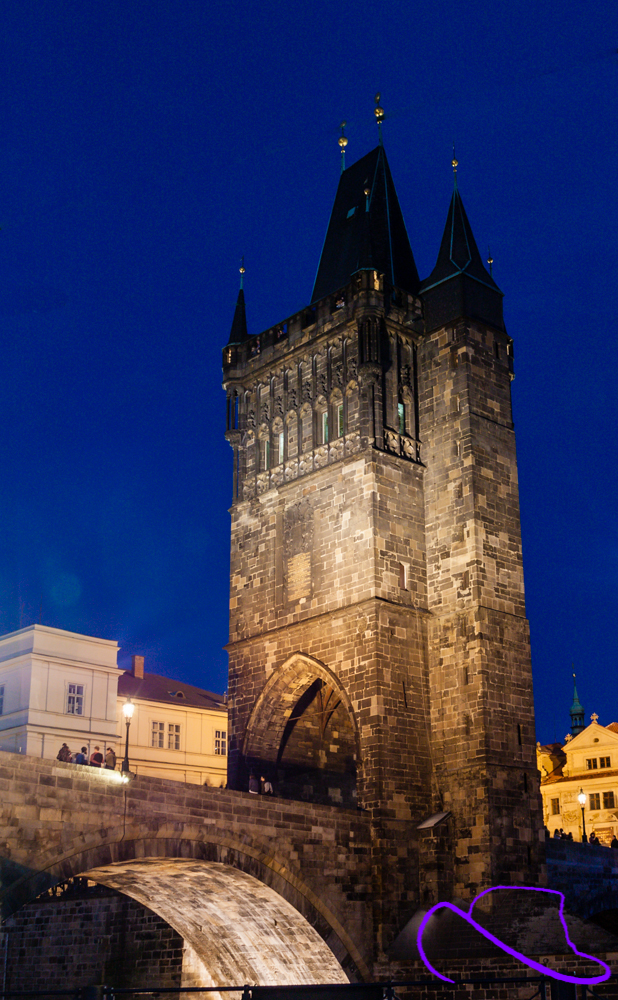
[{"x": 505, "y": 947}]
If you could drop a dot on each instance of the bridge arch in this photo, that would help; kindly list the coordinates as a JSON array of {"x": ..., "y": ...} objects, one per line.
[
  {"x": 223, "y": 896},
  {"x": 303, "y": 733}
]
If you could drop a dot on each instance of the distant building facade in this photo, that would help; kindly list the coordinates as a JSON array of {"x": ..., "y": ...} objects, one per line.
[
  {"x": 588, "y": 763},
  {"x": 177, "y": 731},
  {"x": 57, "y": 687},
  {"x": 60, "y": 687}
]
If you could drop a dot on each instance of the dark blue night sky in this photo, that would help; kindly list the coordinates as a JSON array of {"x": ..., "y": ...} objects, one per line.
[{"x": 146, "y": 145}]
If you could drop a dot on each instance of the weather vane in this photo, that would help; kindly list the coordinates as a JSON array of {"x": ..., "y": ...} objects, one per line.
[
  {"x": 379, "y": 113},
  {"x": 242, "y": 270},
  {"x": 342, "y": 145},
  {"x": 454, "y": 164}
]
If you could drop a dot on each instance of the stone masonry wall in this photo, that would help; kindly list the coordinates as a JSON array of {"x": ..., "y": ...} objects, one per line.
[
  {"x": 85, "y": 939},
  {"x": 479, "y": 666}
]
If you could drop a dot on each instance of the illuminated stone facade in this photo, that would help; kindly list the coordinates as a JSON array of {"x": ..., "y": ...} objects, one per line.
[{"x": 376, "y": 560}]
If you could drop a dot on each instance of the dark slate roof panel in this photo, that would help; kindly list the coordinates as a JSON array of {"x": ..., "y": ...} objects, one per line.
[
  {"x": 361, "y": 236},
  {"x": 153, "y": 687},
  {"x": 458, "y": 253},
  {"x": 238, "y": 332}
]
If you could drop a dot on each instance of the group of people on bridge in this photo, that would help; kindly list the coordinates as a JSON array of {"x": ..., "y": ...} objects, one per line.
[{"x": 95, "y": 759}]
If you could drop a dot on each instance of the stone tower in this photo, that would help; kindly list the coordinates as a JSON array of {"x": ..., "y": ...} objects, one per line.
[{"x": 379, "y": 652}]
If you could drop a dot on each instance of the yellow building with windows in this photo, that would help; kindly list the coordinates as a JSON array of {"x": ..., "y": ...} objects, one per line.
[
  {"x": 586, "y": 764},
  {"x": 177, "y": 731}
]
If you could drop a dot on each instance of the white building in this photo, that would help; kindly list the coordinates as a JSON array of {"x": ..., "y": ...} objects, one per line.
[
  {"x": 56, "y": 687},
  {"x": 60, "y": 687}
]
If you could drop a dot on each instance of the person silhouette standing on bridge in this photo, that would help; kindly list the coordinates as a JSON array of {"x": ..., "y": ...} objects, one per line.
[
  {"x": 96, "y": 757},
  {"x": 64, "y": 754},
  {"x": 254, "y": 785}
]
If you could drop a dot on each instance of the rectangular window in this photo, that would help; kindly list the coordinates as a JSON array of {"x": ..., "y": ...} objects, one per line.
[
  {"x": 1, "y": 699},
  {"x": 75, "y": 699},
  {"x": 340, "y": 420},
  {"x": 221, "y": 742},
  {"x": 325, "y": 427},
  {"x": 608, "y": 800},
  {"x": 401, "y": 416},
  {"x": 265, "y": 455},
  {"x": 555, "y": 807},
  {"x": 591, "y": 764},
  {"x": 173, "y": 736},
  {"x": 595, "y": 800},
  {"x": 604, "y": 762},
  {"x": 156, "y": 734},
  {"x": 280, "y": 447}
]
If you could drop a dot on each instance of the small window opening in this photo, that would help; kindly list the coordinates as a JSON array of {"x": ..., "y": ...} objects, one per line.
[
  {"x": 401, "y": 417},
  {"x": 525, "y": 782},
  {"x": 280, "y": 447},
  {"x": 340, "y": 420},
  {"x": 325, "y": 427},
  {"x": 519, "y": 734},
  {"x": 466, "y": 674},
  {"x": 496, "y": 348},
  {"x": 403, "y": 576}
]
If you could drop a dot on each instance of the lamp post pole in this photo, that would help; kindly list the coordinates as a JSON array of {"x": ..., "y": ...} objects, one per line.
[
  {"x": 127, "y": 710},
  {"x": 581, "y": 798}
]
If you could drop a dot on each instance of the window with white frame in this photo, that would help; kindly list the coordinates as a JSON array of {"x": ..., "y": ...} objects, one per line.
[
  {"x": 75, "y": 699},
  {"x": 221, "y": 742},
  {"x": 157, "y": 734},
  {"x": 173, "y": 736},
  {"x": 555, "y": 807}
]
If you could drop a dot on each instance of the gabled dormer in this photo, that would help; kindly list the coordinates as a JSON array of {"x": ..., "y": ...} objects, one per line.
[{"x": 592, "y": 752}]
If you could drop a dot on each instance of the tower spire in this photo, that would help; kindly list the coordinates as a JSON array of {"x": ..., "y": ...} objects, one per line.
[
  {"x": 342, "y": 145},
  {"x": 576, "y": 712},
  {"x": 238, "y": 333}
]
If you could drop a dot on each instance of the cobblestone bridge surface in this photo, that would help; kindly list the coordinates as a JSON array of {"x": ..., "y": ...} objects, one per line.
[{"x": 62, "y": 820}]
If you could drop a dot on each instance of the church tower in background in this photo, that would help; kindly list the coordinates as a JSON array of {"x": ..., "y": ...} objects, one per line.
[{"x": 379, "y": 649}]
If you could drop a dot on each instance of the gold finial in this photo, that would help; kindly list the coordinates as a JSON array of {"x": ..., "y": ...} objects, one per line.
[
  {"x": 454, "y": 161},
  {"x": 242, "y": 269},
  {"x": 490, "y": 261},
  {"x": 379, "y": 113},
  {"x": 342, "y": 145}
]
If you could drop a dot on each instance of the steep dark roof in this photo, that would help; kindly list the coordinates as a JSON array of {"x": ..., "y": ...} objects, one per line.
[
  {"x": 238, "y": 333},
  {"x": 357, "y": 238},
  {"x": 152, "y": 687},
  {"x": 460, "y": 284}
]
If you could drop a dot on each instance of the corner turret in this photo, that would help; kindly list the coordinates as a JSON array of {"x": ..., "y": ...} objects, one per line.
[{"x": 459, "y": 285}]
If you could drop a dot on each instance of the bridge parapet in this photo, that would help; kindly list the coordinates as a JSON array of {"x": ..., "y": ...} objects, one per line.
[{"x": 586, "y": 874}]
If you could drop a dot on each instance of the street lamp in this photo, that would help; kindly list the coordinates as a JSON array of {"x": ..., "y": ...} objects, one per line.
[
  {"x": 581, "y": 798},
  {"x": 127, "y": 710}
]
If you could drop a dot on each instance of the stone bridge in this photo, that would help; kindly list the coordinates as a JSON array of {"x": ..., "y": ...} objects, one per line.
[
  {"x": 259, "y": 889},
  {"x": 270, "y": 890}
]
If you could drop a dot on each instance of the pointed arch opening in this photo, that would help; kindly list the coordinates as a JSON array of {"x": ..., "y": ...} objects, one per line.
[{"x": 302, "y": 735}]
